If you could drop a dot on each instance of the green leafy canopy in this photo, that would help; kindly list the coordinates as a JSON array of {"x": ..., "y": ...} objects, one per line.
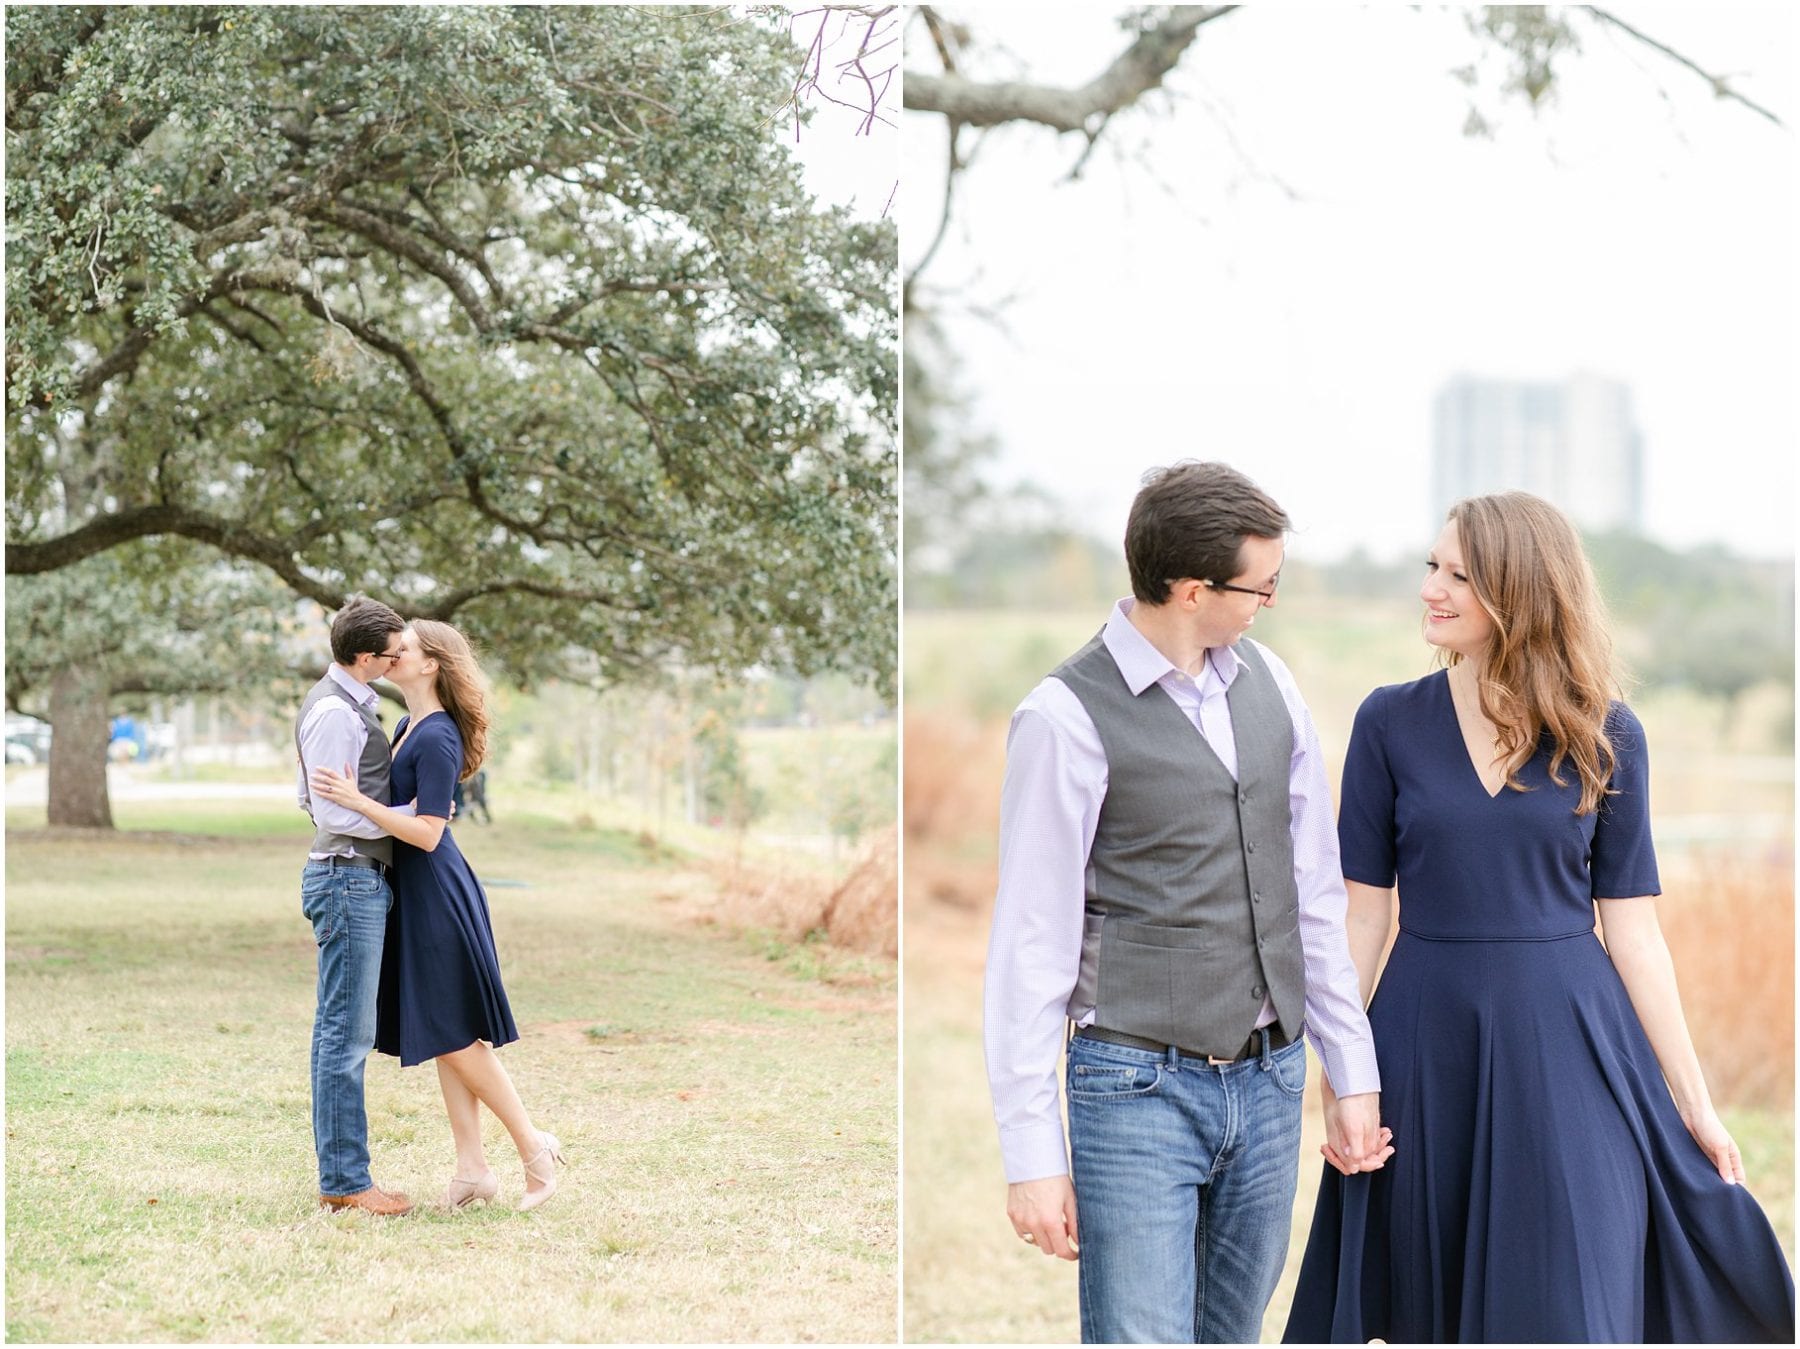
[{"x": 520, "y": 318}]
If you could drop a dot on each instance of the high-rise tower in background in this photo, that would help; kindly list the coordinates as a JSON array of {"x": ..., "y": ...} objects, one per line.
[{"x": 1575, "y": 443}]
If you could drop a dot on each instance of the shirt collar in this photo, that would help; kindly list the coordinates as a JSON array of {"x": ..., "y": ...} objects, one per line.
[
  {"x": 363, "y": 694},
  {"x": 1142, "y": 664}
]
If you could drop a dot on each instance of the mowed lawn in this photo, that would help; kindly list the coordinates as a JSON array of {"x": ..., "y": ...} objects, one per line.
[{"x": 726, "y": 1106}]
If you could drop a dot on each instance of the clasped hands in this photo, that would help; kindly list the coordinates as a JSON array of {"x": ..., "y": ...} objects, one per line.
[{"x": 1355, "y": 1139}]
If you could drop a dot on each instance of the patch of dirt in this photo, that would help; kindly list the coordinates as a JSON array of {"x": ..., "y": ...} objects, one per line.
[
  {"x": 90, "y": 838},
  {"x": 609, "y": 1036},
  {"x": 852, "y": 1005},
  {"x": 25, "y": 954}
]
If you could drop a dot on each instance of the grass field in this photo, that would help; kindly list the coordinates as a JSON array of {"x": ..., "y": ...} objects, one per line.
[
  {"x": 726, "y": 1105},
  {"x": 1728, "y": 911}
]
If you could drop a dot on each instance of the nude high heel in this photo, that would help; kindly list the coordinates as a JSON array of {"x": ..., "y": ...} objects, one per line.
[
  {"x": 542, "y": 1167},
  {"x": 461, "y": 1192}
]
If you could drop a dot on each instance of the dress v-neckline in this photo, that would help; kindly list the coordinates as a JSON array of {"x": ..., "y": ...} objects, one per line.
[
  {"x": 411, "y": 726},
  {"x": 1462, "y": 741}
]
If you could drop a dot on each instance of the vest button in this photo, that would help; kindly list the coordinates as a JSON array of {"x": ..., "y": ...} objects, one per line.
[
  {"x": 1249, "y": 847},
  {"x": 1243, "y": 798},
  {"x": 1256, "y": 896},
  {"x": 1257, "y": 992}
]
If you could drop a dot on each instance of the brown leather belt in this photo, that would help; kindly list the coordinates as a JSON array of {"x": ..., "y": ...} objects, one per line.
[{"x": 1252, "y": 1047}]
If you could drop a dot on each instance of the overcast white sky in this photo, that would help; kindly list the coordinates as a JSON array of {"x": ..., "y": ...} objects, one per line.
[
  {"x": 845, "y": 163},
  {"x": 1177, "y": 302}
]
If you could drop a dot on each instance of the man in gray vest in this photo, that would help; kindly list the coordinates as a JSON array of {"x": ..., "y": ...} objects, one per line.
[
  {"x": 345, "y": 893},
  {"x": 1170, "y": 889}
]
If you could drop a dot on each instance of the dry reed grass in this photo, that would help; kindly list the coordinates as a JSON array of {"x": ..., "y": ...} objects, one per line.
[
  {"x": 954, "y": 765},
  {"x": 859, "y": 912},
  {"x": 1729, "y": 920}
]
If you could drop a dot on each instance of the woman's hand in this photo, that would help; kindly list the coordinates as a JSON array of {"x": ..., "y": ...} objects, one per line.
[
  {"x": 1333, "y": 1153},
  {"x": 340, "y": 788},
  {"x": 1709, "y": 1133}
]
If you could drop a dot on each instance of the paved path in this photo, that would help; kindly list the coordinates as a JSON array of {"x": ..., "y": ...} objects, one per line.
[{"x": 124, "y": 783}]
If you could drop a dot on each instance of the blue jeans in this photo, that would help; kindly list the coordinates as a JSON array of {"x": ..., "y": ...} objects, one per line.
[
  {"x": 1184, "y": 1190},
  {"x": 348, "y": 908}
]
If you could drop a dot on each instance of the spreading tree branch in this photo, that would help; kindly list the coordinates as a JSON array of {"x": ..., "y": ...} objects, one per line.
[{"x": 1136, "y": 71}]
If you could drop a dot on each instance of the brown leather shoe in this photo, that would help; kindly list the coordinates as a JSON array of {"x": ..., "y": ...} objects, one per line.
[{"x": 373, "y": 1200}]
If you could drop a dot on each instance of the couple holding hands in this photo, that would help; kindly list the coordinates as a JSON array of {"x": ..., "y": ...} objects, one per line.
[
  {"x": 1520, "y": 1145},
  {"x": 406, "y": 959}
]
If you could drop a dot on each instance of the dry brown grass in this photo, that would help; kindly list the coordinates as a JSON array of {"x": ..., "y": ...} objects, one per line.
[
  {"x": 953, "y": 768},
  {"x": 858, "y": 912},
  {"x": 863, "y": 913},
  {"x": 1729, "y": 920}
]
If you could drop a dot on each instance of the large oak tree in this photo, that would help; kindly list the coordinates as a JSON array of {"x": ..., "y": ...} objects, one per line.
[{"x": 516, "y": 317}]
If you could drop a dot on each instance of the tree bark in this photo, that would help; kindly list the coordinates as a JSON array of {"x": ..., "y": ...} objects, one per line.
[{"x": 78, "y": 717}]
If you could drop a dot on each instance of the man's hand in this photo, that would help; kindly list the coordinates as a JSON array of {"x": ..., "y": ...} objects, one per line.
[
  {"x": 1354, "y": 1138},
  {"x": 1043, "y": 1213}
]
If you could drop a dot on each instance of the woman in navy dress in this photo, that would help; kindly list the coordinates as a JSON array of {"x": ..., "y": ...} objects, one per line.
[
  {"x": 1559, "y": 1172},
  {"x": 440, "y": 996}
]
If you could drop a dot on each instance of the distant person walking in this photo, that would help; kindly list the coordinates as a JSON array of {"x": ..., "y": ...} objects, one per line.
[
  {"x": 471, "y": 796},
  {"x": 1560, "y": 1174},
  {"x": 345, "y": 894},
  {"x": 441, "y": 996}
]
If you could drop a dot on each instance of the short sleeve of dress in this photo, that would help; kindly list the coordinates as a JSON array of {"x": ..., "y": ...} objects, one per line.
[
  {"x": 1366, "y": 801},
  {"x": 440, "y": 761},
  {"x": 1622, "y": 860}
]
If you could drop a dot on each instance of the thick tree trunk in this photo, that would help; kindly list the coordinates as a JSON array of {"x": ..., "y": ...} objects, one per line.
[{"x": 78, "y": 707}]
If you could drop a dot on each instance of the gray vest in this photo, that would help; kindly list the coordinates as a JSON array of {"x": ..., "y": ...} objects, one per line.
[
  {"x": 371, "y": 775},
  {"x": 1192, "y": 911}
]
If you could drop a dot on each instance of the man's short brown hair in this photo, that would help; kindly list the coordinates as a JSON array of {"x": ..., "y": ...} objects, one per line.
[
  {"x": 362, "y": 625},
  {"x": 1190, "y": 520}
]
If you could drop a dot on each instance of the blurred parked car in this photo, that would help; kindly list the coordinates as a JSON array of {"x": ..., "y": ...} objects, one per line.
[{"x": 27, "y": 739}]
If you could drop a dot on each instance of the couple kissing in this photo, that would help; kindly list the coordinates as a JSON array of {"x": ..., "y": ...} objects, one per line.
[{"x": 406, "y": 959}]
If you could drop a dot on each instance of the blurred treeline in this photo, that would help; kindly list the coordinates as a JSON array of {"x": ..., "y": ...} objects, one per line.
[
  {"x": 1700, "y": 618},
  {"x": 811, "y": 760}
]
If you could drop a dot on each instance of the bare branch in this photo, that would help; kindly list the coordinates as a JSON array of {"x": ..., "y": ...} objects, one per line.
[
  {"x": 1136, "y": 71},
  {"x": 1720, "y": 87}
]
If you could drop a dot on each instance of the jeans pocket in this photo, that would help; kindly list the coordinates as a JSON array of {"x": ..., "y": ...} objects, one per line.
[
  {"x": 1113, "y": 1081},
  {"x": 323, "y": 905},
  {"x": 1287, "y": 1066}
]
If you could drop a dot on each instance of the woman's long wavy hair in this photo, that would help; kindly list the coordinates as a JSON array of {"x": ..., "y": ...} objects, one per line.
[
  {"x": 1550, "y": 664},
  {"x": 459, "y": 688}
]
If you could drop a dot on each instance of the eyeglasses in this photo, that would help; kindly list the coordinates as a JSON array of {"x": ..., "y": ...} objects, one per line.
[
  {"x": 389, "y": 656},
  {"x": 1268, "y": 594}
]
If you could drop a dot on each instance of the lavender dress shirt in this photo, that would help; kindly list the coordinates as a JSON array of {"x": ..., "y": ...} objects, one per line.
[
  {"x": 331, "y": 736},
  {"x": 1056, "y": 777}
]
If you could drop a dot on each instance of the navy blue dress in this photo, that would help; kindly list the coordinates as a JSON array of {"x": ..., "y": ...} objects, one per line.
[
  {"x": 1542, "y": 1186},
  {"x": 440, "y": 978}
]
